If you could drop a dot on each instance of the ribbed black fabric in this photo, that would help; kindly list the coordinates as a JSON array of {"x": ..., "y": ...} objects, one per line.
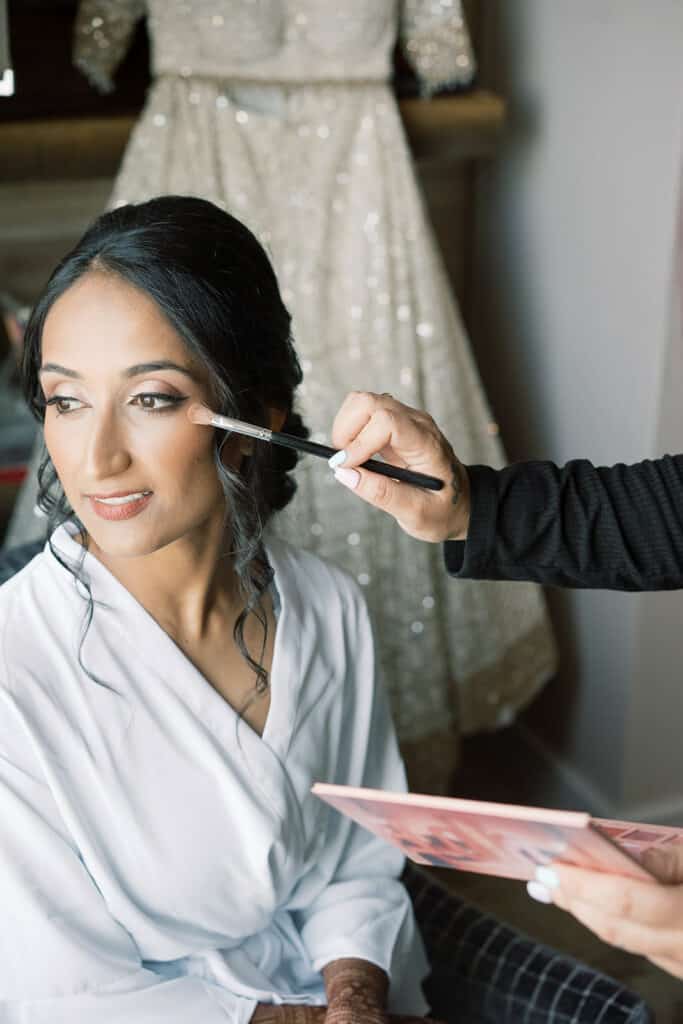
[{"x": 616, "y": 528}]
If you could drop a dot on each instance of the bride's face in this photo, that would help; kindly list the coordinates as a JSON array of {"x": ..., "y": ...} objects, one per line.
[{"x": 118, "y": 381}]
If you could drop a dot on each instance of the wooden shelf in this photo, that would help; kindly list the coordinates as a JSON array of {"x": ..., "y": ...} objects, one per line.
[
  {"x": 59, "y": 150},
  {"x": 464, "y": 127},
  {"x": 447, "y": 128}
]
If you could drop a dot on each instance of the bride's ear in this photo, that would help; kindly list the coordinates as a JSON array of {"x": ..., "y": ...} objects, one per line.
[
  {"x": 277, "y": 418},
  {"x": 234, "y": 448}
]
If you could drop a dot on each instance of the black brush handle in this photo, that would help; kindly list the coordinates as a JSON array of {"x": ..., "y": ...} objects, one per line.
[{"x": 323, "y": 451}]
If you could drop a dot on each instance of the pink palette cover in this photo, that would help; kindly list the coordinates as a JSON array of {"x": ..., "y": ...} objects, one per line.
[{"x": 497, "y": 839}]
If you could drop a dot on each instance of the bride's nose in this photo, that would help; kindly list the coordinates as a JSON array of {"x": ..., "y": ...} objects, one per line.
[{"x": 107, "y": 454}]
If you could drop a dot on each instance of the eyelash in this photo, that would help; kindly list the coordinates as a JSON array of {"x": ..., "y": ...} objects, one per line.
[{"x": 171, "y": 402}]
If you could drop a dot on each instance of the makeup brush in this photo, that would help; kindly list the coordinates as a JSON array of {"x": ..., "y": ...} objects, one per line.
[{"x": 200, "y": 414}]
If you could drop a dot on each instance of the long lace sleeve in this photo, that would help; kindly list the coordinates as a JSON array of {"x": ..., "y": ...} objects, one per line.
[
  {"x": 102, "y": 34},
  {"x": 436, "y": 43}
]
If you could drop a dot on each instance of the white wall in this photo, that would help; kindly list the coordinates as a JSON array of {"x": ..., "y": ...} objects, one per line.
[
  {"x": 654, "y": 709},
  {"x": 576, "y": 229}
]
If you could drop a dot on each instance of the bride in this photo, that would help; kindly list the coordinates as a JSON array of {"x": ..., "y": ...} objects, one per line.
[{"x": 174, "y": 680}]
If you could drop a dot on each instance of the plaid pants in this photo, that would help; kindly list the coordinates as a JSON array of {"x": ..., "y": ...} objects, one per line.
[{"x": 484, "y": 972}]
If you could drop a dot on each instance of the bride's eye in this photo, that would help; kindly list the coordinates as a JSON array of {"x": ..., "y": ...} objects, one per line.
[
  {"x": 64, "y": 404},
  {"x": 156, "y": 401}
]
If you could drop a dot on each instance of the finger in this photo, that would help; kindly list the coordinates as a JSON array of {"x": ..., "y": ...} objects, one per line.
[
  {"x": 618, "y": 931},
  {"x": 643, "y": 902},
  {"x": 361, "y": 407},
  {"x": 396, "y": 433},
  {"x": 353, "y": 414},
  {"x": 403, "y": 502},
  {"x": 665, "y": 862}
]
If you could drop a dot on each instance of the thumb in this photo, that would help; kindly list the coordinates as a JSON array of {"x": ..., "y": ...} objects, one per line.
[{"x": 665, "y": 862}]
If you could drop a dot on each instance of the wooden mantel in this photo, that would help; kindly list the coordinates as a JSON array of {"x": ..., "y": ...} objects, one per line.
[
  {"x": 447, "y": 128},
  {"x": 461, "y": 127}
]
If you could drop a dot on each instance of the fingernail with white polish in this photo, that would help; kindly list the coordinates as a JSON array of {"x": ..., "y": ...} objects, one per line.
[
  {"x": 348, "y": 477},
  {"x": 547, "y": 877},
  {"x": 538, "y": 892},
  {"x": 337, "y": 459}
]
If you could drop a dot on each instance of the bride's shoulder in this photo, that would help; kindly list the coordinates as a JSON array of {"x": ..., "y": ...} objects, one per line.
[
  {"x": 17, "y": 584},
  {"x": 17, "y": 574},
  {"x": 29, "y": 600},
  {"x": 318, "y": 580}
]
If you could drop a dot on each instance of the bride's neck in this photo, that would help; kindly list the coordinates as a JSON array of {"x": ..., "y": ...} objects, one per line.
[{"x": 187, "y": 584}]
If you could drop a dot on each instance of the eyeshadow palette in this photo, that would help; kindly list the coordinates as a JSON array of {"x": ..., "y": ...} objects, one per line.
[{"x": 497, "y": 839}]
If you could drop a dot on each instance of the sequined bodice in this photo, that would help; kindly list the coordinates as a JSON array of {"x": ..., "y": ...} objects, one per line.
[
  {"x": 278, "y": 41},
  {"x": 274, "y": 40}
]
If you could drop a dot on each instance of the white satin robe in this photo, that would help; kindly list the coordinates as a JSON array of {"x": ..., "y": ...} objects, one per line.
[{"x": 159, "y": 860}]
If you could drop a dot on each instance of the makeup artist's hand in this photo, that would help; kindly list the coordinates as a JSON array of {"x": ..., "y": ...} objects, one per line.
[
  {"x": 641, "y": 917},
  {"x": 368, "y": 425}
]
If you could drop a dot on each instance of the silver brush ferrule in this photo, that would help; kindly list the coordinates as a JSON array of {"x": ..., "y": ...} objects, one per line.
[{"x": 238, "y": 427}]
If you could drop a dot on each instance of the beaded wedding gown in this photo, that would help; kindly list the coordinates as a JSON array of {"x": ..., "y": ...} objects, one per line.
[{"x": 280, "y": 111}]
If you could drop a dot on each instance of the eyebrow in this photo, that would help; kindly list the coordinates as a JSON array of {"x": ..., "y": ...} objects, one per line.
[{"x": 132, "y": 371}]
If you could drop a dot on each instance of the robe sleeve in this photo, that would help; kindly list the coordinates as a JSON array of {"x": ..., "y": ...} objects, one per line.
[
  {"x": 103, "y": 31},
  {"x": 364, "y": 911},
  {"x": 436, "y": 43},
  {"x": 63, "y": 956}
]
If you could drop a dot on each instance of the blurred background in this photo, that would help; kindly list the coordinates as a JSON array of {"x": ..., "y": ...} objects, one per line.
[{"x": 554, "y": 186}]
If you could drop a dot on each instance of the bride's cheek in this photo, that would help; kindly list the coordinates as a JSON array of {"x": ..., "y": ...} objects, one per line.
[
  {"x": 58, "y": 450},
  {"x": 190, "y": 453}
]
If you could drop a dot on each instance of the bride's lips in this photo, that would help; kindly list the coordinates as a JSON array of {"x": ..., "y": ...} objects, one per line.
[{"x": 120, "y": 504}]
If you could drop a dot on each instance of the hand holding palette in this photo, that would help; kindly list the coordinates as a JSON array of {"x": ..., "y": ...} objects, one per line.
[{"x": 497, "y": 839}]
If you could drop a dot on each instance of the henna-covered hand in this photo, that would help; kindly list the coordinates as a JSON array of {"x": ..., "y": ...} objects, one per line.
[{"x": 356, "y": 992}]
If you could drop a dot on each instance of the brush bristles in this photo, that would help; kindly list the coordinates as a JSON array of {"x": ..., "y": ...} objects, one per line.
[{"x": 200, "y": 414}]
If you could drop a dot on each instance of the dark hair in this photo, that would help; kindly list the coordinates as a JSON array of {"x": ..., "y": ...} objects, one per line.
[{"x": 212, "y": 280}]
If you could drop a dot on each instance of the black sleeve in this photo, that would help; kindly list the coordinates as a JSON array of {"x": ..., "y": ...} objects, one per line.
[{"x": 617, "y": 528}]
